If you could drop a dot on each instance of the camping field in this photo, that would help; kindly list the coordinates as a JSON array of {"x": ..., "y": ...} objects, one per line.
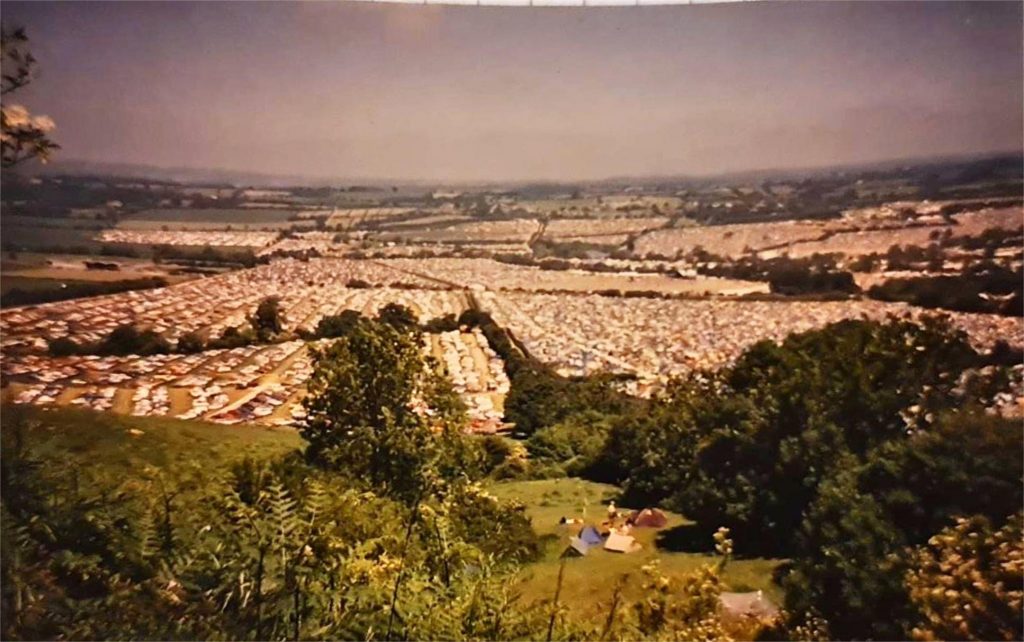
[
  {"x": 211, "y": 219},
  {"x": 589, "y": 582}
]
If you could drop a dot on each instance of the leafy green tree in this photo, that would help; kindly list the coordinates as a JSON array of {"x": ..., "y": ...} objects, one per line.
[
  {"x": 268, "y": 320},
  {"x": 191, "y": 342},
  {"x": 375, "y": 410},
  {"x": 787, "y": 412},
  {"x": 62, "y": 347},
  {"x": 967, "y": 463},
  {"x": 338, "y": 325},
  {"x": 850, "y": 565},
  {"x": 128, "y": 339},
  {"x": 398, "y": 317}
]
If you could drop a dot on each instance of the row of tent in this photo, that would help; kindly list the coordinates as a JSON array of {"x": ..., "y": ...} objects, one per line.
[
  {"x": 590, "y": 538},
  {"x": 616, "y": 542}
]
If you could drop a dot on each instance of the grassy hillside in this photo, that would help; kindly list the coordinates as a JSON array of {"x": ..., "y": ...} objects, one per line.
[
  {"x": 590, "y": 581},
  {"x": 123, "y": 448}
]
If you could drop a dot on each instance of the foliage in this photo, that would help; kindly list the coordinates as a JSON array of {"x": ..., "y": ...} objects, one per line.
[
  {"x": 127, "y": 339},
  {"x": 851, "y": 565},
  {"x": 572, "y": 445},
  {"x": 22, "y": 135},
  {"x": 62, "y": 347},
  {"x": 786, "y": 413},
  {"x": 268, "y": 320},
  {"x": 447, "y": 323},
  {"x": 813, "y": 274},
  {"x": 839, "y": 448},
  {"x": 967, "y": 463},
  {"x": 190, "y": 343},
  {"x": 233, "y": 337},
  {"x": 376, "y": 412},
  {"x": 275, "y": 551},
  {"x": 398, "y": 317},
  {"x": 968, "y": 582},
  {"x": 63, "y": 291},
  {"x": 338, "y": 325},
  {"x": 994, "y": 290}
]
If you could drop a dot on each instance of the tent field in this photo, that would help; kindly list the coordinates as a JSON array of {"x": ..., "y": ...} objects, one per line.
[{"x": 590, "y": 580}]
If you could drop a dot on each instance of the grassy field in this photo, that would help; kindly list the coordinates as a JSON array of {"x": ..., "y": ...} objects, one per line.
[
  {"x": 34, "y": 236},
  {"x": 103, "y": 442},
  {"x": 10, "y": 282},
  {"x": 590, "y": 581}
]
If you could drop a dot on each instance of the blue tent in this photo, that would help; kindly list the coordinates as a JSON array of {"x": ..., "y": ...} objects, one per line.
[{"x": 590, "y": 535}]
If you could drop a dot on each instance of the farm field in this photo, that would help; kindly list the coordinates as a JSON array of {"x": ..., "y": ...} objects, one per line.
[
  {"x": 590, "y": 581},
  {"x": 34, "y": 237},
  {"x": 496, "y": 275},
  {"x": 656, "y": 339},
  {"x": 726, "y": 240},
  {"x": 615, "y": 205}
]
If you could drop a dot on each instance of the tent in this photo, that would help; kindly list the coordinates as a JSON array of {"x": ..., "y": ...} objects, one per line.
[
  {"x": 648, "y": 517},
  {"x": 753, "y": 604},
  {"x": 590, "y": 535},
  {"x": 618, "y": 543},
  {"x": 576, "y": 547}
]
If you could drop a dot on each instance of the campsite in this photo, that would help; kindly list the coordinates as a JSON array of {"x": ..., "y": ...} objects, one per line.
[
  {"x": 589, "y": 582},
  {"x": 347, "y": 321}
]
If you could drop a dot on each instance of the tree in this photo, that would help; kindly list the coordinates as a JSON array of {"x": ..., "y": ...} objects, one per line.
[
  {"x": 128, "y": 339},
  {"x": 268, "y": 319},
  {"x": 338, "y": 325},
  {"x": 191, "y": 342},
  {"x": 967, "y": 463},
  {"x": 63, "y": 347},
  {"x": 22, "y": 135},
  {"x": 851, "y": 565},
  {"x": 398, "y": 317},
  {"x": 787, "y": 413},
  {"x": 374, "y": 410},
  {"x": 968, "y": 582}
]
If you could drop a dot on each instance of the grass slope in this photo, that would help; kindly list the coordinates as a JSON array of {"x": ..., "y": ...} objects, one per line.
[
  {"x": 590, "y": 581},
  {"x": 103, "y": 442}
]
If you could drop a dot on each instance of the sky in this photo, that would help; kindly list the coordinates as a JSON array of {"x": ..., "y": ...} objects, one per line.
[{"x": 359, "y": 90}]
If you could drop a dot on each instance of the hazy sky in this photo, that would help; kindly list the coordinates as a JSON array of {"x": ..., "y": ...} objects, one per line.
[{"x": 447, "y": 93}]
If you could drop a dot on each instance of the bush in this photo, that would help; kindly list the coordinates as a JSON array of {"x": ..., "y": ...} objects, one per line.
[
  {"x": 191, "y": 342},
  {"x": 989, "y": 289},
  {"x": 127, "y": 339},
  {"x": 63, "y": 347},
  {"x": 447, "y": 323},
  {"x": 338, "y": 325}
]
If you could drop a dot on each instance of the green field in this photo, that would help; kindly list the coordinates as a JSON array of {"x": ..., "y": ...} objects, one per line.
[
  {"x": 590, "y": 581},
  {"x": 101, "y": 443},
  {"x": 30, "y": 284},
  {"x": 211, "y": 219},
  {"x": 38, "y": 236}
]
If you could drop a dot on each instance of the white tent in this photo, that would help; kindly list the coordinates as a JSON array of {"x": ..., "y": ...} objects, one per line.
[
  {"x": 619, "y": 543},
  {"x": 578, "y": 545}
]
